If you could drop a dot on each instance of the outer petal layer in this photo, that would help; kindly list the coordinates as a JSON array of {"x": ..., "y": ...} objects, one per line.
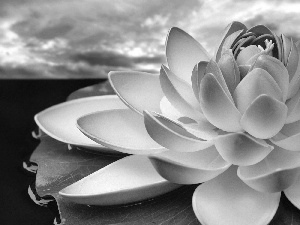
[
  {"x": 122, "y": 130},
  {"x": 189, "y": 168},
  {"x": 183, "y": 52},
  {"x": 241, "y": 148},
  {"x": 227, "y": 200},
  {"x": 217, "y": 106},
  {"x": 265, "y": 117},
  {"x": 278, "y": 171},
  {"x": 172, "y": 135},
  {"x": 127, "y": 180},
  {"x": 139, "y": 91}
]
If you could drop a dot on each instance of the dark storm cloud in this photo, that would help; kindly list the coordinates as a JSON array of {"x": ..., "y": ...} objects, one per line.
[
  {"x": 113, "y": 59},
  {"x": 24, "y": 71},
  {"x": 32, "y": 27}
]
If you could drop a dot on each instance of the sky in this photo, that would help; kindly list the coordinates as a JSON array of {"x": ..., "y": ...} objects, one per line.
[{"x": 89, "y": 38}]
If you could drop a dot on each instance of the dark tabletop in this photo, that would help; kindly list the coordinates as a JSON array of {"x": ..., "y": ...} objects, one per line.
[{"x": 20, "y": 100}]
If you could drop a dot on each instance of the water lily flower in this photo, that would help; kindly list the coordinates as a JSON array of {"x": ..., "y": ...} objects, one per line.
[{"x": 229, "y": 121}]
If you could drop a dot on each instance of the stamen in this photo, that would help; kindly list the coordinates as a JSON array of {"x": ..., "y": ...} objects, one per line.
[{"x": 269, "y": 46}]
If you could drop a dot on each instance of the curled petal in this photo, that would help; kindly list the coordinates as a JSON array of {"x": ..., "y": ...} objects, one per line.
[
  {"x": 289, "y": 137},
  {"x": 295, "y": 82},
  {"x": 276, "y": 69},
  {"x": 214, "y": 69},
  {"x": 168, "y": 110},
  {"x": 278, "y": 171},
  {"x": 286, "y": 48},
  {"x": 257, "y": 82},
  {"x": 172, "y": 135},
  {"x": 175, "y": 98},
  {"x": 184, "y": 89},
  {"x": 293, "y": 193},
  {"x": 119, "y": 129},
  {"x": 197, "y": 75},
  {"x": 293, "y": 61},
  {"x": 229, "y": 30},
  {"x": 217, "y": 107},
  {"x": 242, "y": 149},
  {"x": 265, "y": 117},
  {"x": 183, "y": 52},
  {"x": 260, "y": 30},
  {"x": 201, "y": 129},
  {"x": 189, "y": 168},
  {"x": 127, "y": 180},
  {"x": 229, "y": 70},
  {"x": 227, "y": 200},
  {"x": 293, "y": 105},
  {"x": 129, "y": 85}
]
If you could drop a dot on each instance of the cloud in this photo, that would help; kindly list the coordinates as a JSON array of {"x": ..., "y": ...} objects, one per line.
[{"x": 89, "y": 38}]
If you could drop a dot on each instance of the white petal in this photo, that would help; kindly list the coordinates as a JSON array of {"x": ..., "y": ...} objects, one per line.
[
  {"x": 293, "y": 61},
  {"x": 295, "y": 82},
  {"x": 122, "y": 130},
  {"x": 217, "y": 107},
  {"x": 278, "y": 171},
  {"x": 59, "y": 121},
  {"x": 226, "y": 200},
  {"x": 183, "y": 52},
  {"x": 168, "y": 110},
  {"x": 265, "y": 117},
  {"x": 293, "y": 193},
  {"x": 197, "y": 75},
  {"x": 257, "y": 82},
  {"x": 276, "y": 69},
  {"x": 246, "y": 54},
  {"x": 139, "y": 91},
  {"x": 232, "y": 31},
  {"x": 229, "y": 70},
  {"x": 214, "y": 69},
  {"x": 175, "y": 98},
  {"x": 127, "y": 180},
  {"x": 286, "y": 48},
  {"x": 172, "y": 135},
  {"x": 289, "y": 137},
  {"x": 242, "y": 149},
  {"x": 201, "y": 129},
  {"x": 190, "y": 167},
  {"x": 183, "y": 88},
  {"x": 293, "y": 105}
]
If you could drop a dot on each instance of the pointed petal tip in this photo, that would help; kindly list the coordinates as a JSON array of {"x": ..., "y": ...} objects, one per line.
[
  {"x": 127, "y": 180},
  {"x": 131, "y": 139}
]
